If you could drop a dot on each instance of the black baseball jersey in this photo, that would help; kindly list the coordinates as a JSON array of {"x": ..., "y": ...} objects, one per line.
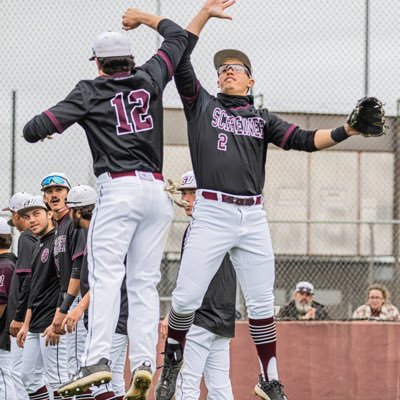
[
  {"x": 7, "y": 267},
  {"x": 69, "y": 246},
  {"x": 122, "y": 327},
  {"x": 121, "y": 114},
  {"x": 20, "y": 285},
  {"x": 45, "y": 284},
  {"x": 217, "y": 312},
  {"x": 228, "y": 136}
]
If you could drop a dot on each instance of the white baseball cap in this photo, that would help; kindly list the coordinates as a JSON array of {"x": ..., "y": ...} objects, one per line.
[
  {"x": 32, "y": 203},
  {"x": 17, "y": 201},
  {"x": 55, "y": 179},
  {"x": 81, "y": 195},
  {"x": 4, "y": 227},
  {"x": 111, "y": 44},
  {"x": 188, "y": 181},
  {"x": 304, "y": 286}
]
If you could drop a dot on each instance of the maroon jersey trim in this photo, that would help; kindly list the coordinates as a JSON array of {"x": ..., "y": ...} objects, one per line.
[
  {"x": 287, "y": 134},
  {"x": 54, "y": 120},
  {"x": 77, "y": 255},
  {"x": 168, "y": 63},
  {"x": 23, "y": 271}
]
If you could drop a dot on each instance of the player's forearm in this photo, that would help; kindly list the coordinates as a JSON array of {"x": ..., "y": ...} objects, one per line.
[
  {"x": 84, "y": 303},
  {"x": 325, "y": 138},
  {"x": 38, "y": 128},
  {"x": 2, "y": 309},
  {"x": 150, "y": 20},
  {"x": 197, "y": 24},
  {"x": 74, "y": 286}
]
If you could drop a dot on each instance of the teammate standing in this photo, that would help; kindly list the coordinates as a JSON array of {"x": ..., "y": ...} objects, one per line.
[
  {"x": 69, "y": 246},
  {"x": 81, "y": 201},
  {"x": 228, "y": 140},
  {"x": 122, "y": 115},
  {"x": 43, "y": 348},
  {"x": 7, "y": 266},
  {"x": 207, "y": 343},
  {"x": 19, "y": 290}
]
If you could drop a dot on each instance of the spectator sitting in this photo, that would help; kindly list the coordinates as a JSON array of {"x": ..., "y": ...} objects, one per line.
[
  {"x": 377, "y": 306},
  {"x": 303, "y": 306}
]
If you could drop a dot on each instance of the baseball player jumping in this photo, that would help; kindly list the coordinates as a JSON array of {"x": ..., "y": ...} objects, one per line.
[
  {"x": 121, "y": 112},
  {"x": 228, "y": 140},
  {"x": 81, "y": 202},
  {"x": 207, "y": 343}
]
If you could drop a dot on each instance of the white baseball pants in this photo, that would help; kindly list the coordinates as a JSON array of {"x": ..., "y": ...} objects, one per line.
[
  {"x": 43, "y": 365},
  {"x": 75, "y": 344},
  {"x": 15, "y": 369},
  {"x": 7, "y": 391},
  {"x": 118, "y": 358},
  {"x": 130, "y": 221},
  {"x": 218, "y": 228},
  {"x": 208, "y": 354}
]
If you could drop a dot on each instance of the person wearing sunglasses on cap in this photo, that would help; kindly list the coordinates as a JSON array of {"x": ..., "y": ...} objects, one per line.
[
  {"x": 303, "y": 306},
  {"x": 69, "y": 247}
]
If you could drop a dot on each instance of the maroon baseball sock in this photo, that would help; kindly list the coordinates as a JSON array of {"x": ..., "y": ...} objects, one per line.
[
  {"x": 40, "y": 394},
  {"x": 263, "y": 332},
  {"x": 178, "y": 327}
]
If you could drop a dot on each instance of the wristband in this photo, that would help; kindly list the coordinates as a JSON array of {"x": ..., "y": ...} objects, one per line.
[
  {"x": 66, "y": 304},
  {"x": 339, "y": 134}
]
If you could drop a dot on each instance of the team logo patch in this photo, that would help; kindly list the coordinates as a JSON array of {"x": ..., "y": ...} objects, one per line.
[
  {"x": 45, "y": 255},
  {"x": 187, "y": 180}
]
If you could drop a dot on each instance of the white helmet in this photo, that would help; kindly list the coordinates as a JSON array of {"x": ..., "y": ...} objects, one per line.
[
  {"x": 80, "y": 196},
  {"x": 32, "y": 203},
  {"x": 188, "y": 181},
  {"x": 55, "y": 179},
  {"x": 4, "y": 227}
]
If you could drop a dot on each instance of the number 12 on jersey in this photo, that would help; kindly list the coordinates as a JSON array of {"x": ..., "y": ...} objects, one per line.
[{"x": 139, "y": 119}]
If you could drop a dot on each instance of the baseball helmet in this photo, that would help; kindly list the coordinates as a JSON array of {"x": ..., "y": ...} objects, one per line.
[
  {"x": 188, "y": 181},
  {"x": 80, "y": 196},
  {"x": 55, "y": 179},
  {"x": 31, "y": 204}
]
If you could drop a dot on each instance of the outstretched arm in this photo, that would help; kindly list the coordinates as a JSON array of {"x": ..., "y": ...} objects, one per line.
[
  {"x": 323, "y": 137},
  {"x": 134, "y": 17}
]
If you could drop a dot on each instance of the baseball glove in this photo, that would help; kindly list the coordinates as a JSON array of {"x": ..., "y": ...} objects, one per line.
[
  {"x": 368, "y": 117},
  {"x": 172, "y": 189}
]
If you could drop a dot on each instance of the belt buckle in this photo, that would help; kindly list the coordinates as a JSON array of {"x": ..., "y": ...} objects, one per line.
[{"x": 146, "y": 176}]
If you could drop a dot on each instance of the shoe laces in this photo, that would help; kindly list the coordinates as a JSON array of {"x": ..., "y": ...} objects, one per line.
[{"x": 167, "y": 372}]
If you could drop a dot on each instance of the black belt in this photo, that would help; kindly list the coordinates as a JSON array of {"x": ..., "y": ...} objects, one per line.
[{"x": 226, "y": 198}]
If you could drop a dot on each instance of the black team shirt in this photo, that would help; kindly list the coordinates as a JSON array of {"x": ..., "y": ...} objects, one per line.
[
  {"x": 45, "y": 284},
  {"x": 21, "y": 282},
  {"x": 229, "y": 136},
  {"x": 122, "y": 114},
  {"x": 7, "y": 266},
  {"x": 69, "y": 246}
]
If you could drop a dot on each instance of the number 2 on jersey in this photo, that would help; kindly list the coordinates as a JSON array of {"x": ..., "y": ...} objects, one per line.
[
  {"x": 222, "y": 142},
  {"x": 140, "y": 120}
]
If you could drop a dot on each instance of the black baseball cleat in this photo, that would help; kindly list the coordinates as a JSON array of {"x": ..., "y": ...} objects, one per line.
[
  {"x": 140, "y": 383},
  {"x": 173, "y": 362},
  {"x": 272, "y": 390},
  {"x": 96, "y": 374}
]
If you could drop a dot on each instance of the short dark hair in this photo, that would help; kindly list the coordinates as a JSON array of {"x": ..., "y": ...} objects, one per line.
[
  {"x": 114, "y": 65},
  {"x": 5, "y": 241}
]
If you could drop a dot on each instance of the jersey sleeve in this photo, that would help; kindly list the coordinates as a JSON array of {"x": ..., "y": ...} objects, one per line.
[
  {"x": 26, "y": 245},
  {"x": 6, "y": 273},
  {"x": 193, "y": 96},
  {"x": 162, "y": 65},
  {"x": 288, "y": 136},
  {"x": 25, "y": 285},
  {"x": 77, "y": 245},
  {"x": 58, "y": 118}
]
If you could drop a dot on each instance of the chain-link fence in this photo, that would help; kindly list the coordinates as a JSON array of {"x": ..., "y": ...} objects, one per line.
[{"x": 333, "y": 214}]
